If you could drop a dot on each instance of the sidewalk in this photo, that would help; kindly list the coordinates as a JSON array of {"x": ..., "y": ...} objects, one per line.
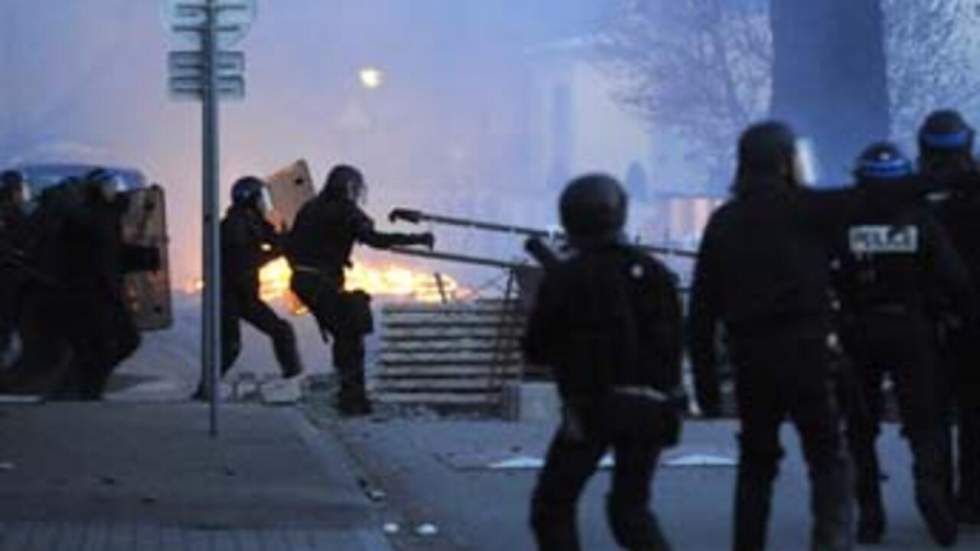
[{"x": 126, "y": 476}]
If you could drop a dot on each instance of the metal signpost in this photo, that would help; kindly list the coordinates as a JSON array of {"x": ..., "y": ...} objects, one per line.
[{"x": 209, "y": 74}]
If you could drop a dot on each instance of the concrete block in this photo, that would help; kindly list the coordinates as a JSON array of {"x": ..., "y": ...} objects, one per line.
[
  {"x": 532, "y": 402},
  {"x": 281, "y": 391}
]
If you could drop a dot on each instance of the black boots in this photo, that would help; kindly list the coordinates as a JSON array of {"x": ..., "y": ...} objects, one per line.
[
  {"x": 871, "y": 521},
  {"x": 936, "y": 510},
  {"x": 353, "y": 404}
]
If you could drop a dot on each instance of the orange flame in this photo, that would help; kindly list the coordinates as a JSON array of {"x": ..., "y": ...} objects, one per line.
[{"x": 386, "y": 281}]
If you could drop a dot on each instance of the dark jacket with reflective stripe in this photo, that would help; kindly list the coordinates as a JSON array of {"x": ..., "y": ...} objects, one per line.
[
  {"x": 901, "y": 260},
  {"x": 764, "y": 264}
]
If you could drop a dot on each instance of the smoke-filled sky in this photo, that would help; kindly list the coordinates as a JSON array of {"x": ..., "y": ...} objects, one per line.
[{"x": 85, "y": 81}]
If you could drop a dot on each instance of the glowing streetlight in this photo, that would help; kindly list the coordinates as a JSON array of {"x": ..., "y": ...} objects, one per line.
[{"x": 371, "y": 77}]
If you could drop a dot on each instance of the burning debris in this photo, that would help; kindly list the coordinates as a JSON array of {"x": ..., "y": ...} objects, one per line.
[{"x": 387, "y": 281}]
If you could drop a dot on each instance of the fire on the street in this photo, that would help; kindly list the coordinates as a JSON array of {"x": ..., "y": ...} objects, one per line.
[{"x": 382, "y": 281}]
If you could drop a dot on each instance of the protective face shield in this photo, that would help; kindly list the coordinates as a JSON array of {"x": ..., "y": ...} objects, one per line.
[
  {"x": 265, "y": 201},
  {"x": 112, "y": 187},
  {"x": 248, "y": 191},
  {"x": 357, "y": 192},
  {"x": 28, "y": 203},
  {"x": 26, "y": 194},
  {"x": 804, "y": 165},
  {"x": 770, "y": 155}
]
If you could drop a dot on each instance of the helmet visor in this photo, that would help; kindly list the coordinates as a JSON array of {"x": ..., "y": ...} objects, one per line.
[
  {"x": 805, "y": 169},
  {"x": 265, "y": 203},
  {"x": 357, "y": 192}
]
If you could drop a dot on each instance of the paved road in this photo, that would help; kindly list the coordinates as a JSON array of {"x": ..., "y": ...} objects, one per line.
[
  {"x": 437, "y": 471},
  {"x": 114, "y": 476}
]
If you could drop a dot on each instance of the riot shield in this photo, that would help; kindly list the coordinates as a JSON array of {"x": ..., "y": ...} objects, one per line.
[
  {"x": 290, "y": 187},
  {"x": 147, "y": 293}
]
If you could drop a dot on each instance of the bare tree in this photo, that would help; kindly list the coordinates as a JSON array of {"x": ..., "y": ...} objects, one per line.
[
  {"x": 932, "y": 48},
  {"x": 698, "y": 68},
  {"x": 703, "y": 68}
]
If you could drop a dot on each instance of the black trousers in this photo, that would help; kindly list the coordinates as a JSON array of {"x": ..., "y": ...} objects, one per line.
[
  {"x": 72, "y": 342},
  {"x": 8, "y": 306},
  {"x": 245, "y": 304},
  {"x": 904, "y": 346},
  {"x": 569, "y": 464},
  {"x": 326, "y": 302},
  {"x": 779, "y": 376},
  {"x": 964, "y": 354}
]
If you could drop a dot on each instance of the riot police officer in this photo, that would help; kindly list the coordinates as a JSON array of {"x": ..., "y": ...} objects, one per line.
[
  {"x": 763, "y": 271},
  {"x": 946, "y": 154},
  {"x": 248, "y": 242},
  {"x": 14, "y": 194},
  {"x": 896, "y": 273},
  {"x": 320, "y": 244},
  {"x": 608, "y": 321},
  {"x": 74, "y": 306}
]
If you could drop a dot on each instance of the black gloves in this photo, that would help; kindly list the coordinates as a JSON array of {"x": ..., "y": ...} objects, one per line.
[
  {"x": 407, "y": 215},
  {"x": 541, "y": 253}
]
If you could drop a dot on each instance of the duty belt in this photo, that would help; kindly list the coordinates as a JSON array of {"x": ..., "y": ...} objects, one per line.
[{"x": 306, "y": 269}]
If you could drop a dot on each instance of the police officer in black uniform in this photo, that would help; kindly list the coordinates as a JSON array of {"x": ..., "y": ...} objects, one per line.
[
  {"x": 248, "y": 242},
  {"x": 763, "y": 271},
  {"x": 946, "y": 154},
  {"x": 73, "y": 300},
  {"x": 897, "y": 272},
  {"x": 320, "y": 244},
  {"x": 14, "y": 194},
  {"x": 608, "y": 321}
]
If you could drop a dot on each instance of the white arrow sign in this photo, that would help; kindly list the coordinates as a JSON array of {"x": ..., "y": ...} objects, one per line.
[{"x": 186, "y": 20}]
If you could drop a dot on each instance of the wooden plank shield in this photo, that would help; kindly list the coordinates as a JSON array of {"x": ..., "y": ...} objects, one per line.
[
  {"x": 147, "y": 293},
  {"x": 290, "y": 187}
]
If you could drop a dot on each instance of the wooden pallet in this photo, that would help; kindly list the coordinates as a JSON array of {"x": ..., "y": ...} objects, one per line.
[{"x": 454, "y": 355}]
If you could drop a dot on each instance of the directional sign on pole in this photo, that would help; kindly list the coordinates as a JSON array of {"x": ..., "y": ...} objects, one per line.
[
  {"x": 209, "y": 74},
  {"x": 188, "y": 74},
  {"x": 187, "y": 20},
  {"x": 193, "y": 63},
  {"x": 231, "y": 87}
]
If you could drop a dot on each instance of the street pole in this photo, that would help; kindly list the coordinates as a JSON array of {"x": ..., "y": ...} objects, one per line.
[
  {"x": 211, "y": 345},
  {"x": 208, "y": 74}
]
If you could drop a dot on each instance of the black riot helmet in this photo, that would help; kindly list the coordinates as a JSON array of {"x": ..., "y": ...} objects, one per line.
[
  {"x": 12, "y": 186},
  {"x": 945, "y": 130},
  {"x": 101, "y": 185},
  {"x": 593, "y": 210},
  {"x": 882, "y": 161},
  {"x": 344, "y": 182},
  {"x": 767, "y": 157},
  {"x": 250, "y": 191},
  {"x": 946, "y": 144}
]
